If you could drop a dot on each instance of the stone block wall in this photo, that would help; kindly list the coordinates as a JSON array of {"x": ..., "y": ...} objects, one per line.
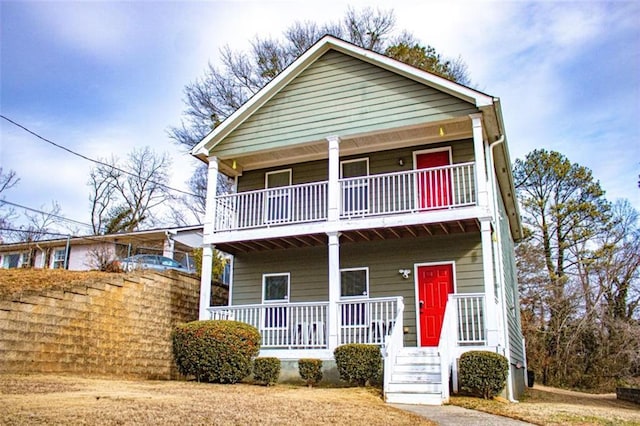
[{"x": 118, "y": 326}]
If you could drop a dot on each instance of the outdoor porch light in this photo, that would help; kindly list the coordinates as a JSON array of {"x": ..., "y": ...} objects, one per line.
[
  {"x": 400, "y": 162},
  {"x": 441, "y": 131},
  {"x": 405, "y": 273}
]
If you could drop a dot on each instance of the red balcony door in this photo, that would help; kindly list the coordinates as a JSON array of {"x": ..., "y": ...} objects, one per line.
[
  {"x": 435, "y": 282},
  {"x": 434, "y": 186}
]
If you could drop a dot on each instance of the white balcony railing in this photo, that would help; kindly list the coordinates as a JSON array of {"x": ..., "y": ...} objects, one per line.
[
  {"x": 390, "y": 193},
  {"x": 404, "y": 192},
  {"x": 274, "y": 206}
]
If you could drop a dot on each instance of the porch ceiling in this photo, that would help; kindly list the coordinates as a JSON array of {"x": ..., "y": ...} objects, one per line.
[
  {"x": 355, "y": 236},
  {"x": 441, "y": 131}
]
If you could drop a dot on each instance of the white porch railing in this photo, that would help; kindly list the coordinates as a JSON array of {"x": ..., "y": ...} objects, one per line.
[
  {"x": 402, "y": 192},
  {"x": 368, "y": 321},
  {"x": 282, "y": 325},
  {"x": 274, "y": 206},
  {"x": 390, "y": 193},
  {"x": 471, "y": 329}
]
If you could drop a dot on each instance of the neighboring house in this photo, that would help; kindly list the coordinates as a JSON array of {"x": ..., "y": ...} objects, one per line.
[
  {"x": 374, "y": 204},
  {"x": 87, "y": 252}
]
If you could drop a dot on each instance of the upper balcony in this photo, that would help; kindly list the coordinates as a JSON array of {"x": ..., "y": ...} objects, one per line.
[{"x": 437, "y": 190}]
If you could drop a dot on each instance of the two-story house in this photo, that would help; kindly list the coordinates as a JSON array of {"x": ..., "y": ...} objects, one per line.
[{"x": 373, "y": 203}]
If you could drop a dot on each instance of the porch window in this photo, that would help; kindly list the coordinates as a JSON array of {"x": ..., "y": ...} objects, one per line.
[
  {"x": 58, "y": 259},
  {"x": 278, "y": 199},
  {"x": 355, "y": 192},
  {"x": 354, "y": 284},
  {"x": 275, "y": 290},
  {"x": 11, "y": 260}
]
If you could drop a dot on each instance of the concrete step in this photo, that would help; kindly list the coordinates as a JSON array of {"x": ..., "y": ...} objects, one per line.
[
  {"x": 404, "y": 359},
  {"x": 421, "y": 351},
  {"x": 414, "y": 387},
  {"x": 415, "y": 378},
  {"x": 417, "y": 368},
  {"x": 413, "y": 398}
]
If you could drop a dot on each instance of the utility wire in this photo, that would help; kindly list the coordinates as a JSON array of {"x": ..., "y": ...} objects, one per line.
[
  {"x": 84, "y": 157},
  {"x": 43, "y": 212}
]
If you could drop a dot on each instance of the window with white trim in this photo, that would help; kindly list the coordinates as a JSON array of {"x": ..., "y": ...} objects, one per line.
[
  {"x": 354, "y": 284},
  {"x": 275, "y": 289},
  {"x": 12, "y": 260},
  {"x": 58, "y": 259},
  {"x": 355, "y": 186},
  {"x": 278, "y": 197}
]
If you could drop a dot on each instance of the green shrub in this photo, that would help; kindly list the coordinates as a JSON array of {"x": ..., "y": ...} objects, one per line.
[
  {"x": 215, "y": 351},
  {"x": 358, "y": 363},
  {"x": 266, "y": 370},
  {"x": 483, "y": 373},
  {"x": 310, "y": 370}
]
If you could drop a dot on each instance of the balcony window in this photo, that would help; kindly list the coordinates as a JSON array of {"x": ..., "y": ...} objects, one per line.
[
  {"x": 355, "y": 192},
  {"x": 354, "y": 284},
  {"x": 275, "y": 290},
  {"x": 278, "y": 199}
]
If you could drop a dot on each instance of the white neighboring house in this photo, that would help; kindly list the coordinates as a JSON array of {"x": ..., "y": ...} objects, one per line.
[{"x": 86, "y": 252}]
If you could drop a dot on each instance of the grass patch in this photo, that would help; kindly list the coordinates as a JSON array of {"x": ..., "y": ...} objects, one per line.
[
  {"x": 549, "y": 406},
  {"x": 117, "y": 402}
]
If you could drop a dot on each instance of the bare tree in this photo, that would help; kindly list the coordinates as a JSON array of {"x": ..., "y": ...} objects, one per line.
[
  {"x": 124, "y": 196},
  {"x": 8, "y": 180}
]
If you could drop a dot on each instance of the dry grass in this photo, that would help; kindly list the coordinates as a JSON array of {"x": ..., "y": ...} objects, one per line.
[
  {"x": 14, "y": 281},
  {"x": 46, "y": 399},
  {"x": 550, "y": 406}
]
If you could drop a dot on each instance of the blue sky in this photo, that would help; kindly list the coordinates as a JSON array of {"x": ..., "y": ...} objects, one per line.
[{"x": 104, "y": 77}]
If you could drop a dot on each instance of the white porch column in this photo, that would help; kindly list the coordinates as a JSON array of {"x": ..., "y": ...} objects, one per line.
[
  {"x": 479, "y": 154},
  {"x": 491, "y": 313},
  {"x": 207, "y": 247},
  {"x": 168, "y": 247},
  {"x": 333, "y": 195},
  {"x": 334, "y": 288}
]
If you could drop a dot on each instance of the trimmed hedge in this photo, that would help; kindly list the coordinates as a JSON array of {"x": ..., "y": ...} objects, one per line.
[
  {"x": 483, "y": 373},
  {"x": 358, "y": 363},
  {"x": 310, "y": 370},
  {"x": 215, "y": 351},
  {"x": 266, "y": 371}
]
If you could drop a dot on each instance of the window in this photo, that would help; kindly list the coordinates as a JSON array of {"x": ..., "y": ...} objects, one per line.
[
  {"x": 355, "y": 192},
  {"x": 278, "y": 199},
  {"x": 11, "y": 260},
  {"x": 275, "y": 289},
  {"x": 59, "y": 259},
  {"x": 354, "y": 284}
]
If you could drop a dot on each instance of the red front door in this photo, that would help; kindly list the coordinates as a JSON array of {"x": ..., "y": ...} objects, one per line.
[
  {"x": 434, "y": 186},
  {"x": 434, "y": 285}
]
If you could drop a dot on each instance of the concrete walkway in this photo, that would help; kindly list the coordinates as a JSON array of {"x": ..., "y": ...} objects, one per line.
[{"x": 451, "y": 415}]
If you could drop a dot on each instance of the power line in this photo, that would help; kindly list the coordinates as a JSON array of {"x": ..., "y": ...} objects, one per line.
[
  {"x": 43, "y": 212},
  {"x": 84, "y": 157}
]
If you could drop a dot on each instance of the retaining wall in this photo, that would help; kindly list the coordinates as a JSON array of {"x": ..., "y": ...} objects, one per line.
[
  {"x": 628, "y": 394},
  {"x": 118, "y": 326}
]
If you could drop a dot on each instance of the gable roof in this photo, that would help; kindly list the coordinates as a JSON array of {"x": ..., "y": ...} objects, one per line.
[{"x": 327, "y": 43}]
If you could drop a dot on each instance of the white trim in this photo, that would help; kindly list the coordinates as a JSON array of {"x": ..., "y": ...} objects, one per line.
[
  {"x": 274, "y": 172},
  {"x": 355, "y": 160},
  {"x": 230, "y": 291},
  {"x": 416, "y": 292},
  {"x": 277, "y": 274},
  {"x": 360, "y": 296},
  {"x": 431, "y": 151}
]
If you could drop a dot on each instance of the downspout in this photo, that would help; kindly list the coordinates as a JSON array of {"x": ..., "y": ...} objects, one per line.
[
  {"x": 505, "y": 323},
  {"x": 66, "y": 252}
]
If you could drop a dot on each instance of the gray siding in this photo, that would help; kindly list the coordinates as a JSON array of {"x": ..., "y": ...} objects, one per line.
[
  {"x": 340, "y": 95},
  {"x": 512, "y": 296},
  {"x": 309, "y": 269},
  {"x": 379, "y": 162}
]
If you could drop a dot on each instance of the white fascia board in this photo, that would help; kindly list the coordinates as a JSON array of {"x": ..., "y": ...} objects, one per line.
[{"x": 202, "y": 149}]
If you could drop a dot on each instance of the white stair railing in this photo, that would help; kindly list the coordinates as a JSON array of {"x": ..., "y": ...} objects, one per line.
[{"x": 393, "y": 344}]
